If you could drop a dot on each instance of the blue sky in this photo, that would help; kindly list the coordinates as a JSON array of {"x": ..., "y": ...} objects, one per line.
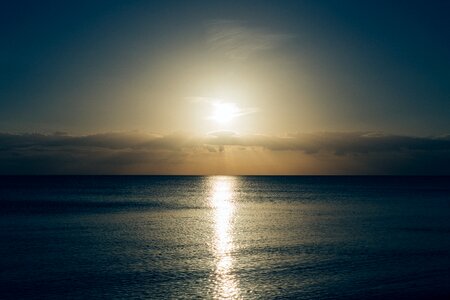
[{"x": 95, "y": 67}]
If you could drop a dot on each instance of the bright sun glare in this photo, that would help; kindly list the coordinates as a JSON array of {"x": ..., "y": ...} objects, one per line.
[{"x": 224, "y": 112}]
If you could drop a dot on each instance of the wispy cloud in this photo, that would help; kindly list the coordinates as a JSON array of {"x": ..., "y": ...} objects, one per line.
[
  {"x": 219, "y": 104},
  {"x": 238, "y": 41},
  {"x": 137, "y": 152}
]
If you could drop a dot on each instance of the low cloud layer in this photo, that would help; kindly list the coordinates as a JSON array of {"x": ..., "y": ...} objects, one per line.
[{"x": 224, "y": 153}]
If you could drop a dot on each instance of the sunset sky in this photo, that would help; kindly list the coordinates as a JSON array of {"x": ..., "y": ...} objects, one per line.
[{"x": 225, "y": 87}]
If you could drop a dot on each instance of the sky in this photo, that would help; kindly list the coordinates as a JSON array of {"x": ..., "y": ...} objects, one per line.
[{"x": 225, "y": 87}]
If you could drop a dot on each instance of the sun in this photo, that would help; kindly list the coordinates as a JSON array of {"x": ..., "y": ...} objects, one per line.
[{"x": 224, "y": 112}]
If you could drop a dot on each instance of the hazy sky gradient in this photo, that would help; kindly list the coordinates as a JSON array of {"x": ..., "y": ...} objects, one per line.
[{"x": 328, "y": 69}]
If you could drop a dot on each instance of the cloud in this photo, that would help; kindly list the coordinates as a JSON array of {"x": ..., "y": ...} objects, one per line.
[
  {"x": 186, "y": 153},
  {"x": 238, "y": 42},
  {"x": 219, "y": 105}
]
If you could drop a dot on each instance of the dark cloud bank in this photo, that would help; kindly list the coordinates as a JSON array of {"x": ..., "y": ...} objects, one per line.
[{"x": 142, "y": 153}]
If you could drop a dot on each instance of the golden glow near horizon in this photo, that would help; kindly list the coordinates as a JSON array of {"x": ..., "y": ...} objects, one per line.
[{"x": 225, "y": 283}]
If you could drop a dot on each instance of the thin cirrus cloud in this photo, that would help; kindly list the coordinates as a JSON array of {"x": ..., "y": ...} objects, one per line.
[
  {"x": 238, "y": 41},
  {"x": 185, "y": 153},
  {"x": 213, "y": 102}
]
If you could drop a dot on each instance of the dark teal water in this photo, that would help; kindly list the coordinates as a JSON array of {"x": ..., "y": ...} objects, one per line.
[{"x": 224, "y": 237}]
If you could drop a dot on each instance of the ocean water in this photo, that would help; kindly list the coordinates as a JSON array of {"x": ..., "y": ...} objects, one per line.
[{"x": 163, "y": 237}]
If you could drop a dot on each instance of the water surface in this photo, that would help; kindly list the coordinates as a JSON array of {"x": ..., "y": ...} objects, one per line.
[{"x": 224, "y": 237}]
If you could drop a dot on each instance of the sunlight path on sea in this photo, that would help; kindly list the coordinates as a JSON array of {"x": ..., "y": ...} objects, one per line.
[{"x": 221, "y": 200}]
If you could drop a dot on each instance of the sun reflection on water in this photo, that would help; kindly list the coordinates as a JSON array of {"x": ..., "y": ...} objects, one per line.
[{"x": 225, "y": 282}]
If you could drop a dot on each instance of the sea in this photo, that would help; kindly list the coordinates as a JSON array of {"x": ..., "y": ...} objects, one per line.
[{"x": 224, "y": 237}]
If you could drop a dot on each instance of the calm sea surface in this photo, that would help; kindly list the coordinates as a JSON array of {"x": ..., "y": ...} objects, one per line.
[{"x": 220, "y": 237}]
